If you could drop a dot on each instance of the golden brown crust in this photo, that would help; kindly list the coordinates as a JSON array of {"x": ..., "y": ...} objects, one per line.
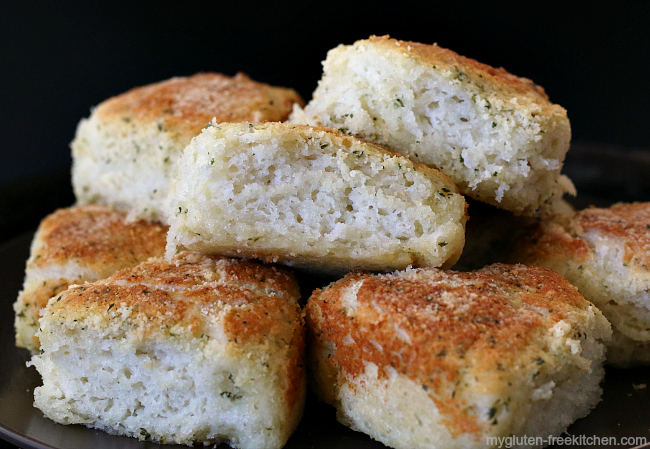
[
  {"x": 186, "y": 104},
  {"x": 435, "y": 55},
  {"x": 186, "y": 292},
  {"x": 547, "y": 237},
  {"x": 437, "y": 327},
  {"x": 627, "y": 221},
  {"x": 192, "y": 269},
  {"x": 97, "y": 238},
  {"x": 76, "y": 244},
  {"x": 563, "y": 236}
]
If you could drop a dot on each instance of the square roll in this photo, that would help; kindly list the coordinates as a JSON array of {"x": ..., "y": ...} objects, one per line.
[
  {"x": 496, "y": 135},
  {"x": 200, "y": 350},
  {"x": 75, "y": 245},
  {"x": 431, "y": 358},
  {"x": 605, "y": 253},
  {"x": 314, "y": 198}
]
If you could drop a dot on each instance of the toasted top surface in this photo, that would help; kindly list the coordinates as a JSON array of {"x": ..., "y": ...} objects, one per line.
[
  {"x": 187, "y": 104},
  {"x": 185, "y": 297},
  {"x": 485, "y": 77},
  {"x": 451, "y": 332},
  {"x": 628, "y": 222},
  {"x": 96, "y": 237}
]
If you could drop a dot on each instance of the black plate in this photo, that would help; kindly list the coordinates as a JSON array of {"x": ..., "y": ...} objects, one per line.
[{"x": 603, "y": 175}]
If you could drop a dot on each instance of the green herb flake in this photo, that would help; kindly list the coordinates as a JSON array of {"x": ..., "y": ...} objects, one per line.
[
  {"x": 230, "y": 395},
  {"x": 461, "y": 76},
  {"x": 212, "y": 161},
  {"x": 144, "y": 434}
]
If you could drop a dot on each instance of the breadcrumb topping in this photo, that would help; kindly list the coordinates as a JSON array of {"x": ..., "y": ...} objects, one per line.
[
  {"x": 448, "y": 331},
  {"x": 187, "y": 104}
]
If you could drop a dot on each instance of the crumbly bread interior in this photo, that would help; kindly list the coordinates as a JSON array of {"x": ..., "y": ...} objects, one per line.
[
  {"x": 132, "y": 174},
  {"x": 426, "y": 358},
  {"x": 495, "y": 135},
  {"x": 199, "y": 350},
  {"x": 165, "y": 391},
  {"x": 314, "y": 198}
]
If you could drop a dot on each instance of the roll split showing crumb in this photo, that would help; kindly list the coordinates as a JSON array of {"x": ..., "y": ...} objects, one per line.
[
  {"x": 429, "y": 358},
  {"x": 313, "y": 198}
]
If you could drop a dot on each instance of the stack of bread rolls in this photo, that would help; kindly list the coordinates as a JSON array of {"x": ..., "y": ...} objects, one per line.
[{"x": 163, "y": 306}]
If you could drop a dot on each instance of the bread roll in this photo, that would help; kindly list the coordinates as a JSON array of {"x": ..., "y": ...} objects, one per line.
[
  {"x": 605, "y": 253},
  {"x": 428, "y": 358},
  {"x": 495, "y": 135},
  {"x": 199, "y": 350},
  {"x": 313, "y": 198}
]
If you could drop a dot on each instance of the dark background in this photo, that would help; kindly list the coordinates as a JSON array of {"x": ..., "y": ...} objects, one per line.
[{"x": 59, "y": 59}]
